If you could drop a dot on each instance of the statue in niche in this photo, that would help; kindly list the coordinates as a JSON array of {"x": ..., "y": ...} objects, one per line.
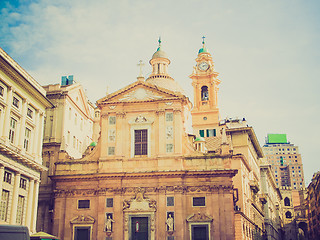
[
  {"x": 169, "y": 223},
  {"x": 109, "y": 223}
]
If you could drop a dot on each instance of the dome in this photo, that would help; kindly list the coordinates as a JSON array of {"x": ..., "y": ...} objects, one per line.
[
  {"x": 200, "y": 139},
  {"x": 167, "y": 83},
  {"x": 159, "y": 54},
  {"x": 93, "y": 144},
  {"x": 203, "y": 50}
]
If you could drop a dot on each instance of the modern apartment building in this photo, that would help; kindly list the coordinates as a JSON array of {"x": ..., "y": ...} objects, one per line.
[
  {"x": 286, "y": 162},
  {"x": 23, "y": 105}
]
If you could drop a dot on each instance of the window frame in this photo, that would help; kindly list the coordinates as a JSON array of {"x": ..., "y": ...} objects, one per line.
[
  {"x": 193, "y": 199},
  {"x": 82, "y": 200}
]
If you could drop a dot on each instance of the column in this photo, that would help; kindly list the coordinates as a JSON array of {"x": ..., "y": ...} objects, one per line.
[
  {"x": 38, "y": 141},
  {"x": 22, "y": 124},
  {"x": 178, "y": 131},
  {"x": 162, "y": 132},
  {"x": 5, "y": 133},
  {"x": 35, "y": 135},
  {"x": 15, "y": 196},
  {"x": 35, "y": 207},
  {"x": 1, "y": 180},
  {"x": 29, "y": 204}
]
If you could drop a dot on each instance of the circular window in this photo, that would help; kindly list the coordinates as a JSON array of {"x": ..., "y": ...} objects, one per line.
[{"x": 204, "y": 118}]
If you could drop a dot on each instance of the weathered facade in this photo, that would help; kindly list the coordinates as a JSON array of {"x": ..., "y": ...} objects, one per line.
[{"x": 147, "y": 178}]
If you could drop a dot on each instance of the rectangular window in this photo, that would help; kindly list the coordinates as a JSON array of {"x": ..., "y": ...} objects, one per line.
[
  {"x": 27, "y": 136},
  {"x": 23, "y": 183},
  {"x": 112, "y": 120},
  {"x": 20, "y": 209},
  {"x": 82, "y": 204},
  {"x": 4, "y": 205},
  {"x": 7, "y": 177},
  {"x": 29, "y": 113},
  {"x": 109, "y": 202},
  {"x": 170, "y": 201},
  {"x": 211, "y": 132},
  {"x": 15, "y": 102},
  {"x": 169, "y": 117},
  {"x": 111, "y": 150},
  {"x": 169, "y": 148},
  {"x": 201, "y": 133},
  {"x": 13, "y": 125},
  {"x": 198, "y": 201},
  {"x": 140, "y": 142}
]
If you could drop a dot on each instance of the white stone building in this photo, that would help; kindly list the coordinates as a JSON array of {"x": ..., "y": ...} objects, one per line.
[{"x": 23, "y": 105}]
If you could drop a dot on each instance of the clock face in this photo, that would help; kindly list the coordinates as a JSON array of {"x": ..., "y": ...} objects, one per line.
[{"x": 203, "y": 66}]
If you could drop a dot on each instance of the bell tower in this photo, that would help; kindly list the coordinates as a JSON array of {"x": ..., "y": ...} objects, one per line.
[{"x": 205, "y": 112}]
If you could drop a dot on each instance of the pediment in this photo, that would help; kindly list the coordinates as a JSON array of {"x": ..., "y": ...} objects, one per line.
[
  {"x": 139, "y": 91},
  {"x": 199, "y": 217},
  {"x": 139, "y": 202},
  {"x": 78, "y": 97},
  {"x": 81, "y": 219}
]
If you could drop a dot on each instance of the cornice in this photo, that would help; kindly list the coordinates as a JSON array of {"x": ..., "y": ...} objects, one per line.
[
  {"x": 150, "y": 190},
  {"x": 103, "y": 176}
]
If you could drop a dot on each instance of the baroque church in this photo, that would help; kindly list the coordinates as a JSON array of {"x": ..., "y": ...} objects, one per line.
[{"x": 146, "y": 177}]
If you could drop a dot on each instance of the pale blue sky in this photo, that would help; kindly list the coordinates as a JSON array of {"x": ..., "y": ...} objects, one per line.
[{"x": 267, "y": 53}]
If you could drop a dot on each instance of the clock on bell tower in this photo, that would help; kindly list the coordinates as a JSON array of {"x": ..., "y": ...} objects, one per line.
[{"x": 205, "y": 112}]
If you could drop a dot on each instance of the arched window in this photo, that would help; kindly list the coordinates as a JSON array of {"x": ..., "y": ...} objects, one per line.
[
  {"x": 288, "y": 214},
  {"x": 287, "y": 201},
  {"x": 204, "y": 93}
]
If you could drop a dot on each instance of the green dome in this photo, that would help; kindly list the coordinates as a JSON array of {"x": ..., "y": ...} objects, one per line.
[
  {"x": 93, "y": 144},
  {"x": 203, "y": 50},
  {"x": 200, "y": 139}
]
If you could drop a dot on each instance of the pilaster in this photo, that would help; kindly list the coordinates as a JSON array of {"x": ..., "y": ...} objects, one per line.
[
  {"x": 7, "y": 116},
  {"x": 14, "y": 205},
  {"x": 29, "y": 203}
]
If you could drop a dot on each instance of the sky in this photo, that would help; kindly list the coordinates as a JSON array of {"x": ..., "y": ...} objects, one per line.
[{"x": 267, "y": 53}]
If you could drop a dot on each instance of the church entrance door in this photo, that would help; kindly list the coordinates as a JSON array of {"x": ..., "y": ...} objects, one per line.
[
  {"x": 82, "y": 233},
  {"x": 139, "y": 228},
  {"x": 200, "y": 232}
]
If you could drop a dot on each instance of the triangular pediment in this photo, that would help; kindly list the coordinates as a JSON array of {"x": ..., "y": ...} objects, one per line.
[
  {"x": 81, "y": 219},
  {"x": 199, "y": 217},
  {"x": 78, "y": 97},
  {"x": 139, "y": 91}
]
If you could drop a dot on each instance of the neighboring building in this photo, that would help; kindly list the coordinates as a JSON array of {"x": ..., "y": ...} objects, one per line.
[
  {"x": 246, "y": 154},
  {"x": 240, "y": 144},
  {"x": 271, "y": 197},
  {"x": 146, "y": 178},
  {"x": 23, "y": 105},
  {"x": 313, "y": 200},
  {"x": 285, "y": 160},
  {"x": 68, "y": 128},
  {"x": 287, "y": 168}
]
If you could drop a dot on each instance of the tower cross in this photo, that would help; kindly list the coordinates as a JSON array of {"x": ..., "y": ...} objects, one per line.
[
  {"x": 140, "y": 64},
  {"x": 203, "y": 39}
]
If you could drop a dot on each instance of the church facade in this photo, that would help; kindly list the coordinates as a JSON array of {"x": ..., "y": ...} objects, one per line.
[{"x": 147, "y": 178}]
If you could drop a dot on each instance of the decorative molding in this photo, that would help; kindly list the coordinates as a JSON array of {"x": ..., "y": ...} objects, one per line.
[
  {"x": 140, "y": 94},
  {"x": 140, "y": 202},
  {"x": 199, "y": 217},
  {"x": 140, "y": 192},
  {"x": 160, "y": 112},
  {"x": 81, "y": 219},
  {"x": 121, "y": 114}
]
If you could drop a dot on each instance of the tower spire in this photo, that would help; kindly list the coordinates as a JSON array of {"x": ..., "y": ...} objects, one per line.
[{"x": 159, "y": 41}]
